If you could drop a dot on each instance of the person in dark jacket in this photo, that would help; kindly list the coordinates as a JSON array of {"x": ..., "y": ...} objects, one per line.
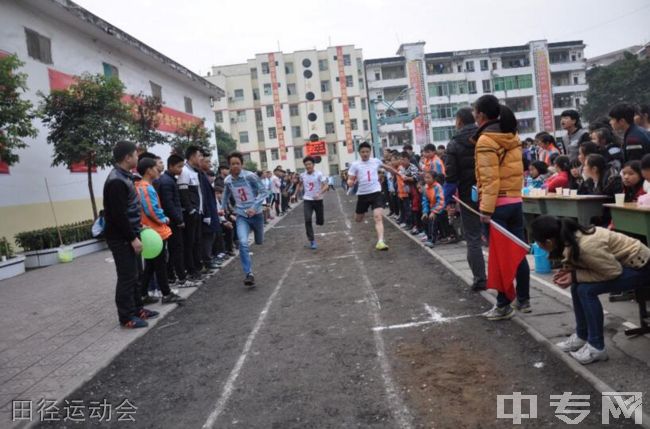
[
  {"x": 459, "y": 166},
  {"x": 636, "y": 142},
  {"x": 193, "y": 206},
  {"x": 171, "y": 204},
  {"x": 210, "y": 225},
  {"x": 122, "y": 220}
]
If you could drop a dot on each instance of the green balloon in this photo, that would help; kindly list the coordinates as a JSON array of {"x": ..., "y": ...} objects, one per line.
[{"x": 152, "y": 244}]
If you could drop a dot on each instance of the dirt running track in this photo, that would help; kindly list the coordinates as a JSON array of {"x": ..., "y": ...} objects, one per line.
[{"x": 300, "y": 351}]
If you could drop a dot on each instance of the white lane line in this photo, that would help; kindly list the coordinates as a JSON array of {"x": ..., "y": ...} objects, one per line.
[
  {"x": 230, "y": 382},
  {"x": 396, "y": 404},
  {"x": 329, "y": 258},
  {"x": 435, "y": 317}
]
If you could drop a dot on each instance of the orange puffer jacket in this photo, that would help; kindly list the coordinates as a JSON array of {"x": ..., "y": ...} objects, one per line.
[{"x": 499, "y": 166}]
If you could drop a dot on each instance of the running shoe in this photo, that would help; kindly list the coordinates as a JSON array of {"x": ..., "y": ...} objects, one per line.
[
  {"x": 381, "y": 245},
  {"x": 145, "y": 314},
  {"x": 499, "y": 313},
  {"x": 313, "y": 245},
  {"x": 588, "y": 354},
  {"x": 249, "y": 280},
  {"x": 521, "y": 306},
  {"x": 135, "y": 323},
  {"x": 149, "y": 299},
  {"x": 571, "y": 344},
  {"x": 172, "y": 298}
]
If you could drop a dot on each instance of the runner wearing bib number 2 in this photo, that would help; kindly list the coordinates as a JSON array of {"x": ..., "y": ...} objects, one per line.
[
  {"x": 314, "y": 185},
  {"x": 250, "y": 195},
  {"x": 365, "y": 174}
]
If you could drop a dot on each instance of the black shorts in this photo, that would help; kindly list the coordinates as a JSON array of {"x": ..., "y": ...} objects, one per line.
[{"x": 374, "y": 200}]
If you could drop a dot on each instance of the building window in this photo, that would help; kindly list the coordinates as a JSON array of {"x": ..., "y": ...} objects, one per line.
[
  {"x": 253, "y": 73},
  {"x": 325, "y": 86},
  {"x": 188, "y": 105},
  {"x": 269, "y": 112},
  {"x": 263, "y": 159},
  {"x": 258, "y": 115},
  {"x": 494, "y": 65},
  {"x": 521, "y": 104},
  {"x": 327, "y": 107},
  {"x": 267, "y": 89},
  {"x": 329, "y": 128},
  {"x": 487, "y": 87},
  {"x": 361, "y": 84},
  {"x": 439, "y": 68},
  {"x": 526, "y": 125},
  {"x": 513, "y": 82},
  {"x": 291, "y": 89},
  {"x": 272, "y": 134},
  {"x": 218, "y": 117},
  {"x": 353, "y": 124},
  {"x": 459, "y": 67},
  {"x": 38, "y": 47},
  {"x": 349, "y": 81},
  {"x": 352, "y": 102},
  {"x": 445, "y": 111},
  {"x": 110, "y": 70},
  {"x": 274, "y": 155},
  {"x": 256, "y": 94},
  {"x": 346, "y": 60},
  {"x": 471, "y": 86},
  {"x": 297, "y": 152},
  {"x": 484, "y": 65},
  {"x": 295, "y": 132},
  {"x": 573, "y": 58},
  {"x": 359, "y": 65},
  {"x": 469, "y": 66},
  {"x": 441, "y": 134},
  {"x": 156, "y": 90},
  {"x": 238, "y": 94},
  {"x": 558, "y": 57},
  {"x": 575, "y": 80},
  {"x": 377, "y": 76},
  {"x": 515, "y": 62},
  {"x": 294, "y": 110},
  {"x": 365, "y": 125},
  {"x": 334, "y": 170},
  {"x": 265, "y": 68},
  {"x": 331, "y": 147},
  {"x": 363, "y": 104},
  {"x": 443, "y": 89},
  {"x": 323, "y": 65},
  {"x": 260, "y": 137},
  {"x": 241, "y": 116},
  {"x": 288, "y": 68},
  {"x": 243, "y": 137}
]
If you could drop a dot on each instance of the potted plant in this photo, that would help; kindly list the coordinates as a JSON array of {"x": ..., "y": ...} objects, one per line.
[{"x": 10, "y": 264}]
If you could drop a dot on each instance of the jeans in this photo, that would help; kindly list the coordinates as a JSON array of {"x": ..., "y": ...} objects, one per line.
[
  {"x": 309, "y": 207},
  {"x": 176, "y": 264},
  {"x": 157, "y": 265},
  {"x": 127, "y": 289},
  {"x": 472, "y": 232},
  {"x": 192, "y": 240},
  {"x": 244, "y": 227},
  {"x": 511, "y": 217},
  {"x": 588, "y": 309}
]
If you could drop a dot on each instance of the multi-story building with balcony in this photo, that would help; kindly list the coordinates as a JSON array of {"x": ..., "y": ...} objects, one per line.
[
  {"x": 537, "y": 81},
  {"x": 277, "y": 102}
]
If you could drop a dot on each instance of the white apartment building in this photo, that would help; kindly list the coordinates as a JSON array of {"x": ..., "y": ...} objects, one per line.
[
  {"x": 57, "y": 40},
  {"x": 537, "y": 81},
  {"x": 277, "y": 102}
]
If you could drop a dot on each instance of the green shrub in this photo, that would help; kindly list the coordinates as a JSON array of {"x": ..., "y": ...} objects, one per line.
[
  {"x": 6, "y": 249},
  {"x": 48, "y": 238}
]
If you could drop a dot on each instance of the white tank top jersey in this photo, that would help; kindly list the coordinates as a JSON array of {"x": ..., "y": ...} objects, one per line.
[
  {"x": 367, "y": 174},
  {"x": 312, "y": 183}
]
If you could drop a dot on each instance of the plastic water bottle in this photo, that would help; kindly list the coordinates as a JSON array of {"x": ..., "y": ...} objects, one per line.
[{"x": 542, "y": 264}]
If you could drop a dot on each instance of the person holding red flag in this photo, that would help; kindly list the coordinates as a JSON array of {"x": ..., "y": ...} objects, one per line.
[{"x": 499, "y": 179}]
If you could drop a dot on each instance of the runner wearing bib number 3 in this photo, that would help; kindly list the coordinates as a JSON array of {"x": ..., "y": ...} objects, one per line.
[
  {"x": 366, "y": 174},
  {"x": 250, "y": 195},
  {"x": 315, "y": 185}
]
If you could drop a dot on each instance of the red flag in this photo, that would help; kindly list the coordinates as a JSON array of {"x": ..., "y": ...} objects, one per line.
[{"x": 505, "y": 254}]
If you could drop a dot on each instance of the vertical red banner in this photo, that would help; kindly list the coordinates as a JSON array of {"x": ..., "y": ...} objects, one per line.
[
  {"x": 544, "y": 90},
  {"x": 277, "y": 108},
  {"x": 344, "y": 99},
  {"x": 421, "y": 122}
]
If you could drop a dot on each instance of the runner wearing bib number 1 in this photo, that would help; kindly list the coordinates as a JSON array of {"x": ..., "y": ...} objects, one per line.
[
  {"x": 250, "y": 195},
  {"x": 314, "y": 185},
  {"x": 365, "y": 174}
]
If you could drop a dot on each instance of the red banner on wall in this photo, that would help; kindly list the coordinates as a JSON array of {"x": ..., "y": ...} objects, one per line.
[
  {"x": 421, "y": 121},
  {"x": 277, "y": 108},
  {"x": 344, "y": 99},
  {"x": 544, "y": 92}
]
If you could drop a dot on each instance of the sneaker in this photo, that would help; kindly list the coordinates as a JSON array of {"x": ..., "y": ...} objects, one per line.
[
  {"x": 588, "y": 354},
  {"x": 381, "y": 245},
  {"x": 571, "y": 344},
  {"x": 249, "y": 280},
  {"x": 145, "y": 314},
  {"x": 190, "y": 283},
  {"x": 479, "y": 286},
  {"x": 173, "y": 290},
  {"x": 424, "y": 238},
  {"x": 402, "y": 225},
  {"x": 422, "y": 235},
  {"x": 522, "y": 307},
  {"x": 135, "y": 323},
  {"x": 149, "y": 299},
  {"x": 172, "y": 298},
  {"x": 499, "y": 313},
  {"x": 214, "y": 265},
  {"x": 313, "y": 245},
  {"x": 429, "y": 244}
]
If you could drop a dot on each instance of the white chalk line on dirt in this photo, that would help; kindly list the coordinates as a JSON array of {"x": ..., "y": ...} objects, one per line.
[
  {"x": 435, "y": 317},
  {"x": 234, "y": 374},
  {"x": 395, "y": 402}
]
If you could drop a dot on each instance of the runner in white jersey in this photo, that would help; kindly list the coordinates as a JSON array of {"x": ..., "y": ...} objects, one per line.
[
  {"x": 314, "y": 184},
  {"x": 365, "y": 174}
]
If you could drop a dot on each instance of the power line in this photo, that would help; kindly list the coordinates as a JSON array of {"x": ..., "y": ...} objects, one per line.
[{"x": 600, "y": 24}]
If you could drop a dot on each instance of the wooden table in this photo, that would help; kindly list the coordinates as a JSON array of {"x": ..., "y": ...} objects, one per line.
[
  {"x": 631, "y": 218},
  {"x": 580, "y": 207}
]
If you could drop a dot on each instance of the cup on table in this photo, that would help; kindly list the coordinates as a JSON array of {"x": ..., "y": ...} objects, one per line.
[
  {"x": 620, "y": 199},
  {"x": 559, "y": 191},
  {"x": 566, "y": 192},
  {"x": 574, "y": 192}
]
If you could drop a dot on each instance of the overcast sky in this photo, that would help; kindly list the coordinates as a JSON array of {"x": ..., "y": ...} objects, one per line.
[{"x": 203, "y": 33}]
